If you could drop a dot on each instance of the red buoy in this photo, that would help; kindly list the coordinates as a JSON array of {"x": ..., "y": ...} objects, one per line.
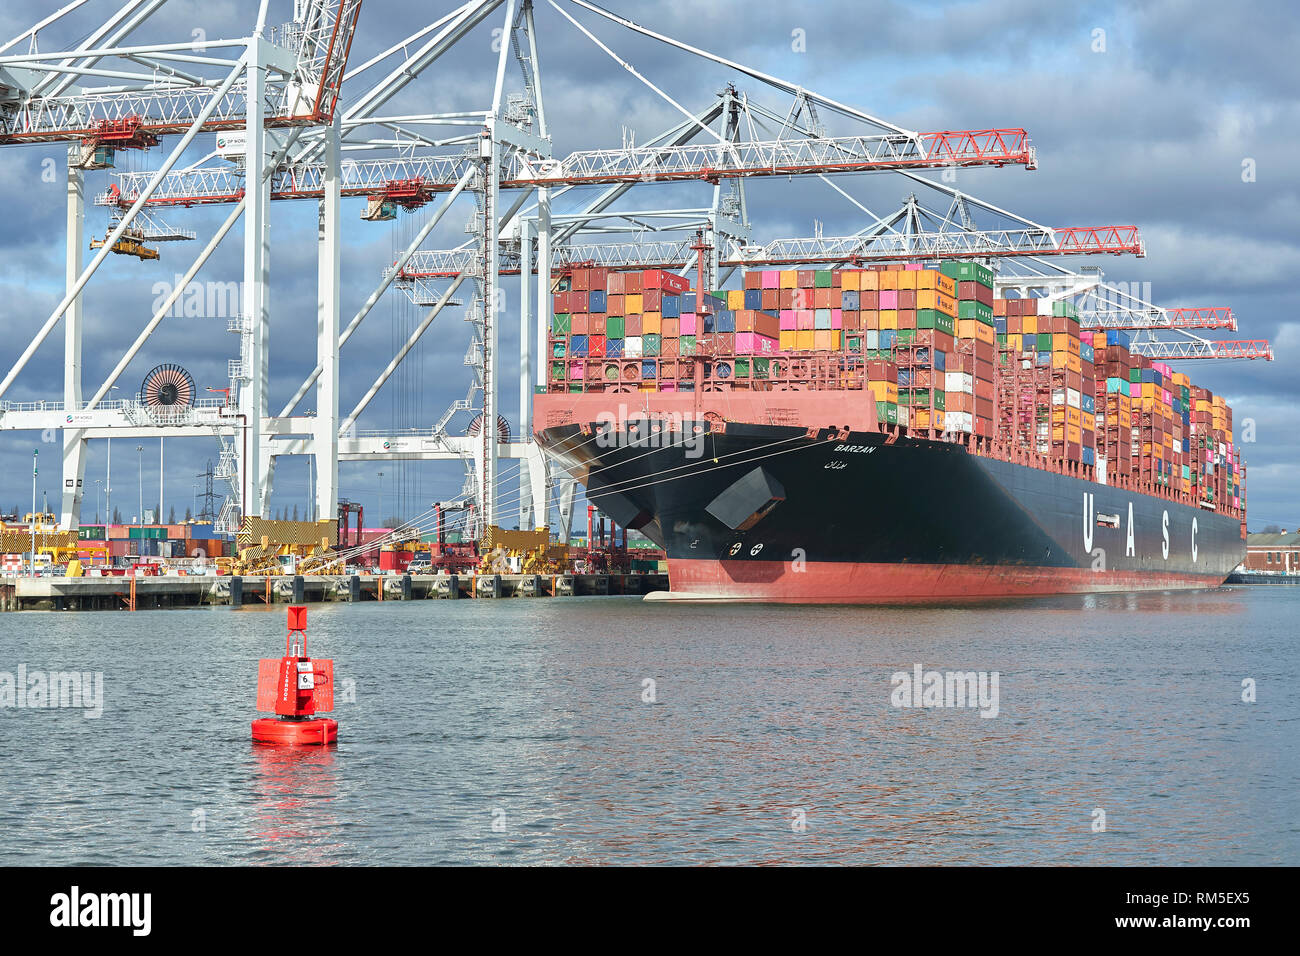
[{"x": 295, "y": 688}]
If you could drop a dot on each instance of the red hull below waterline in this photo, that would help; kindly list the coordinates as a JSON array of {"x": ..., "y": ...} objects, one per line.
[
  {"x": 835, "y": 582},
  {"x": 273, "y": 730}
]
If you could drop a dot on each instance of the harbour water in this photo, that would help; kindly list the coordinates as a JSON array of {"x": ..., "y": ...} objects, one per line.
[{"x": 524, "y": 732}]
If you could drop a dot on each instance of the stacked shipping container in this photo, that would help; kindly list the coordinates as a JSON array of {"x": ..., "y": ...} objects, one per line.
[{"x": 941, "y": 355}]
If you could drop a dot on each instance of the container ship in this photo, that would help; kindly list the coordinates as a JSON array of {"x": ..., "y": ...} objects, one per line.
[{"x": 888, "y": 434}]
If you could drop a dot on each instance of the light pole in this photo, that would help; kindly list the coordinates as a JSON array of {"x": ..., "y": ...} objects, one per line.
[
  {"x": 99, "y": 499},
  {"x": 139, "y": 461},
  {"x": 160, "y": 480},
  {"x": 35, "y": 454},
  {"x": 381, "y": 499},
  {"x": 108, "y": 480}
]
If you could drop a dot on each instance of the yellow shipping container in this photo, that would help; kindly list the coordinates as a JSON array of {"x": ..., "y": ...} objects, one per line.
[
  {"x": 888, "y": 279},
  {"x": 735, "y": 299},
  {"x": 652, "y": 323},
  {"x": 907, "y": 278},
  {"x": 884, "y": 391},
  {"x": 869, "y": 281},
  {"x": 1029, "y": 324},
  {"x": 789, "y": 279},
  {"x": 849, "y": 278},
  {"x": 805, "y": 341},
  {"x": 632, "y": 304},
  {"x": 975, "y": 329},
  {"x": 789, "y": 341},
  {"x": 826, "y": 340},
  {"x": 934, "y": 299},
  {"x": 889, "y": 318},
  {"x": 871, "y": 320}
]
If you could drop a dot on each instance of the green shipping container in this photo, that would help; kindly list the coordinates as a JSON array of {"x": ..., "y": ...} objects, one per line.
[
  {"x": 887, "y": 412},
  {"x": 822, "y": 279},
  {"x": 560, "y": 324},
  {"x": 557, "y": 371},
  {"x": 91, "y": 532},
  {"x": 762, "y": 368},
  {"x": 150, "y": 534},
  {"x": 685, "y": 345},
  {"x": 559, "y": 349},
  {"x": 970, "y": 309},
  {"x": 968, "y": 272},
  {"x": 741, "y": 368},
  {"x": 934, "y": 319},
  {"x": 614, "y": 327},
  {"x": 650, "y": 344},
  {"x": 905, "y": 336}
]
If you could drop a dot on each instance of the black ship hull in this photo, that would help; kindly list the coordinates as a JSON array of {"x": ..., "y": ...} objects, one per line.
[{"x": 774, "y": 513}]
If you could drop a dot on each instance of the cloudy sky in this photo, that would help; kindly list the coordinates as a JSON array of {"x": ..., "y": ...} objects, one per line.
[{"x": 1142, "y": 114}]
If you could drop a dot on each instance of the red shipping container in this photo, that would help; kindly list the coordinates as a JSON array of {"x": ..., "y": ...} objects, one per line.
[
  {"x": 615, "y": 284},
  {"x": 670, "y": 328},
  {"x": 580, "y": 280},
  {"x": 806, "y": 278},
  {"x": 868, "y": 301},
  {"x": 598, "y": 321},
  {"x": 579, "y": 323},
  {"x": 560, "y": 302},
  {"x": 787, "y": 298},
  {"x": 663, "y": 281},
  {"x": 772, "y": 299},
  {"x": 879, "y": 370},
  {"x": 596, "y": 346},
  {"x": 651, "y": 300},
  {"x": 753, "y": 280},
  {"x": 598, "y": 277},
  {"x": 578, "y": 301},
  {"x": 907, "y": 298},
  {"x": 632, "y": 325},
  {"x": 632, "y": 283}
]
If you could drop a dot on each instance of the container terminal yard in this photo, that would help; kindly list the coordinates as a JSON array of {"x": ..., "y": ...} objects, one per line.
[{"x": 705, "y": 388}]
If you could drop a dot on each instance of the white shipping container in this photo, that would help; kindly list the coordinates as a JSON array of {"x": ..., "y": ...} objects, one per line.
[
  {"x": 1044, "y": 308},
  {"x": 959, "y": 421},
  {"x": 961, "y": 382},
  {"x": 632, "y": 346},
  {"x": 903, "y": 414},
  {"x": 1072, "y": 397}
]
